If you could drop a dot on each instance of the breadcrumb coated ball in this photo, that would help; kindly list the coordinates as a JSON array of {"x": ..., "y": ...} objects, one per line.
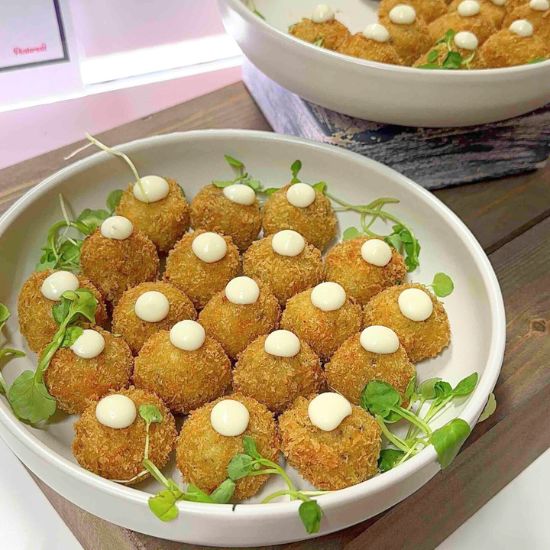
[
  {"x": 329, "y": 34},
  {"x": 163, "y": 221},
  {"x": 114, "y": 265},
  {"x": 361, "y": 280},
  {"x": 74, "y": 382},
  {"x": 421, "y": 339},
  {"x": 135, "y": 330},
  {"x": 117, "y": 454},
  {"x": 410, "y": 41},
  {"x": 202, "y": 454},
  {"x": 358, "y": 45},
  {"x": 184, "y": 380},
  {"x": 285, "y": 275},
  {"x": 211, "y": 210},
  {"x": 324, "y": 331},
  {"x": 236, "y": 325},
  {"x": 316, "y": 222},
  {"x": 34, "y": 310},
  {"x": 277, "y": 381},
  {"x": 331, "y": 460},
  {"x": 481, "y": 25},
  {"x": 487, "y": 8},
  {"x": 428, "y": 10},
  {"x": 538, "y": 18},
  {"x": 352, "y": 367},
  {"x": 198, "y": 279}
]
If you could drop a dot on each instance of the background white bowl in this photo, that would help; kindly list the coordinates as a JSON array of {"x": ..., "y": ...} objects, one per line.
[
  {"x": 475, "y": 310},
  {"x": 376, "y": 91}
]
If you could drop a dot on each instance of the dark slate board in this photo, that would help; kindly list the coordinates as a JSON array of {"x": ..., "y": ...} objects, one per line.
[{"x": 433, "y": 157}]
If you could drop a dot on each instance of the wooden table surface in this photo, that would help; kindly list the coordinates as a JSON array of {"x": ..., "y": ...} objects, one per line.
[{"x": 511, "y": 219}]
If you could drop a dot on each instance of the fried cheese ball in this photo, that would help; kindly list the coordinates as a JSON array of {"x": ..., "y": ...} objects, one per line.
[
  {"x": 117, "y": 453},
  {"x": 183, "y": 379},
  {"x": 143, "y": 298},
  {"x": 36, "y": 321},
  {"x": 490, "y": 10},
  {"x": 330, "y": 34},
  {"x": 537, "y": 16},
  {"x": 479, "y": 24},
  {"x": 285, "y": 275},
  {"x": 345, "y": 265},
  {"x": 324, "y": 331},
  {"x": 200, "y": 279},
  {"x": 316, "y": 222},
  {"x": 163, "y": 221},
  {"x": 428, "y": 10},
  {"x": 511, "y": 5},
  {"x": 421, "y": 339},
  {"x": 213, "y": 210},
  {"x": 358, "y": 45},
  {"x": 274, "y": 380},
  {"x": 115, "y": 265},
  {"x": 235, "y": 325},
  {"x": 202, "y": 454},
  {"x": 331, "y": 460}
]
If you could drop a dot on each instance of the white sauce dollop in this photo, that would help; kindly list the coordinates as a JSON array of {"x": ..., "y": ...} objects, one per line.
[
  {"x": 376, "y": 252},
  {"x": 379, "y": 339},
  {"x": 539, "y": 5},
  {"x": 300, "y": 195},
  {"x": 152, "y": 306},
  {"x": 522, "y": 28},
  {"x": 415, "y": 304},
  {"x": 328, "y": 410},
  {"x": 187, "y": 335},
  {"x": 242, "y": 291},
  {"x": 240, "y": 194},
  {"x": 288, "y": 243},
  {"x": 89, "y": 344},
  {"x": 328, "y": 296},
  {"x": 209, "y": 247},
  {"x": 322, "y": 13},
  {"x": 466, "y": 40},
  {"x": 116, "y": 411},
  {"x": 229, "y": 417},
  {"x": 468, "y": 8},
  {"x": 402, "y": 14},
  {"x": 152, "y": 189},
  {"x": 498, "y": 2},
  {"x": 57, "y": 283},
  {"x": 117, "y": 227},
  {"x": 376, "y": 32},
  {"x": 282, "y": 343}
]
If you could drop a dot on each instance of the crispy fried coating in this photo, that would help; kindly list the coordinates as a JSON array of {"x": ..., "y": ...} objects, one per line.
[
  {"x": 421, "y": 339},
  {"x": 75, "y": 382},
  {"x": 184, "y": 380},
  {"x": 539, "y": 19},
  {"x": 487, "y": 9},
  {"x": 36, "y": 322},
  {"x": 202, "y": 454},
  {"x": 198, "y": 279},
  {"x": 481, "y": 25},
  {"x": 352, "y": 367},
  {"x": 331, "y": 460},
  {"x": 316, "y": 222},
  {"x": 163, "y": 221},
  {"x": 135, "y": 330},
  {"x": 114, "y": 265},
  {"x": 117, "y": 454},
  {"x": 361, "y": 280},
  {"x": 324, "y": 331},
  {"x": 285, "y": 275},
  {"x": 330, "y": 34},
  {"x": 511, "y": 5},
  {"x": 277, "y": 381},
  {"x": 410, "y": 41},
  {"x": 470, "y": 57},
  {"x": 428, "y": 10},
  {"x": 211, "y": 210},
  {"x": 358, "y": 45},
  {"x": 506, "y": 49},
  {"x": 236, "y": 325}
]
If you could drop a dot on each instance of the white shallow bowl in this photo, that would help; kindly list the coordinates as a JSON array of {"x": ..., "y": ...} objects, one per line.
[
  {"x": 376, "y": 91},
  {"x": 475, "y": 310}
]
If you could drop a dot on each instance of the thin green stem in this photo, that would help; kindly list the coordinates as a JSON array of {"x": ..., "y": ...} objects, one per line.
[
  {"x": 413, "y": 419},
  {"x": 392, "y": 438}
]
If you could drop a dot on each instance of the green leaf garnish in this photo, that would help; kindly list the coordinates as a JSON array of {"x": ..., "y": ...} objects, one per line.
[
  {"x": 242, "y": 176},
  {"x": 295, "y": 168},
  {"x": 319, "y": 42},
  {"x": 442, "y": 285},
  {"x": 240, "y": 466},
  {"x": 29, "y": 398},
  {"x": 351, "y": 233},
  {"x": 432, "y": 56},
  {"x": 490, "y": 408},
  {"x": 224, "y": 492},
  {"x": 310, "y": 514},
  {"x": 249, "y": 446},
  {"x": 113, "y": 200},
  {"x": 6, "y": 353},
  {"x": 150, "y": 413},
  {"x": 4, "y": 315},
  {"x": 453, "y": 60},
  {"x": 448, "y": 440},
  {"x": 427, "y": 388},
  {"x": 235, "y": 163},
  {"x": 163, "y": 505},
  {"x": 537, "y": 60},
  {"x": 71, "y": 335},
  {"x": 389, "y": 458},
  {"x": 466, "y": 386},
  {"x": 320, "y": 186}
]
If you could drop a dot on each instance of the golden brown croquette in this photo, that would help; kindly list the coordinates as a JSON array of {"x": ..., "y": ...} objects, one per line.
[
  {"x": 316, "y": 222},
  {"x": 198, "y": 279},
  {"x": 285, "y": 275},
  {"x": 36, "y": 322},
  {"x": 114, "y": 265},
  {"x": 202, "y": 454},
  {"x": 428, "y": 10},
  {"x": 211, "y": 210},
  {"x": 358, "y": 45},
  {"x": 277, "y": 381},
  {"x": 163, "y": 221},
  {"x": 117, "y": 454},
  {"x": 184, "y": 380},
  {"x": 538, "y": 18},
  {"x": 135, "y": 330},
  {"x": 410, "y": 41},
  {"x": 421, "y": 339},
  {"x": 330, "y": 460},
  {"x": 74, "y": 382},
  {"x": 481, "y": 25},
  {"x": 329, "y": 34},
  {"x": 487, "y": 8}
]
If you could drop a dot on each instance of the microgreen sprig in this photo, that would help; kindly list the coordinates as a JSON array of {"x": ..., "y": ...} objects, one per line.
[
  {"x": 241, "y": 176},
  {"x": 452, "y": 59},
  {"x": 6, "y": 353},
  {"x": 442, "y": 285}
]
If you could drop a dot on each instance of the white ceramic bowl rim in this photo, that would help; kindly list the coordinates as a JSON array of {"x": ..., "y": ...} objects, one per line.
[
  {"x": 470, "y": 413},
  {"x": 245, "y": 12}
]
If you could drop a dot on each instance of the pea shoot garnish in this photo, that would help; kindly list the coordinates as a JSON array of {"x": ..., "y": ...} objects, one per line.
[
  {"x": 241, "y": 176},
  {"x": 445, "y": 56},
  {"x": 442, "y": 285},
  {"x": 490, "y": 408},
  {"x": 6, "y": 353}
]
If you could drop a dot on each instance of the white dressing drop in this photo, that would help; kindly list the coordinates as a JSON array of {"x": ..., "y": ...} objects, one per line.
[
  {"x": 328, "y": 410},
  {"x": 151, "y": 189},
  {"x": 240, "y": 194},
  {"x": 415, "y": 304},
  {"x": 57, "y": 283},
  {"x": 152, "y": 306},
  {"x": 117, "y": 227},
  {"x": 229, "y": 417},
  {"x": 376, "y": 32},
  {"x": 288, "y": 243},
  {"x": 498, "y": 2},
  {"x": 468, "y": 8},
  {"x": 300, "y": 195},
  {"x": 89, "y": 344},
  {"x": 116, "y": 411},
  {"x": 282, "y": 343},
  {"x": 242, "y": 290},
  {"x": 402, "y": 14},
  {"x": 328, "y": 296},
  {"x": 539, "y": 5},
  {"x": 522, "y": 28},
  {"x": 376, "y": 252},
  {"x": 187, "y": 335},
  {"x": 209, "y": 247},
  {"x": 379, "y": 339},
  {"x": 322, "y": 13},
  {"x": 466, "y": 40}
]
